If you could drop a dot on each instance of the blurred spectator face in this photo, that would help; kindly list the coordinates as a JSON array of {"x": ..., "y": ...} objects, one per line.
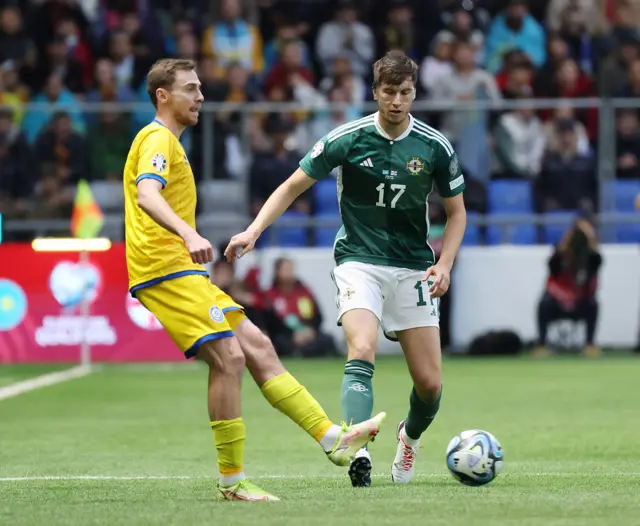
[
  {"x": 292, "y": 55},
  {"x": 558, "y": 49},
  {"x": 120, "y": 46},
  {"x": 207, "y": 70},
  {"x": 341, "y": 66},
  {"x": 628, "y": 52},
  {"x": 348, "y": 15},
  {"x": 62, "y": 127},
  {"x": 634, "y": 73},
  {"x": 57, "y": 50},
  {"x": 104, "y": 72},
  {"x": 401, "y": 16},
  {"x": 182, "y": 27},
  {"x": 230, "y": 9},
  {"x": 109, "y": 118},
  {"x": 568, "y": 74},
  {"x": 623, "y": 15},
  {"x": 285, "y": 273},
  {"x": 53, "y": 87},
  {"x": 628, "y": 123},
  {"x": 464, "y": 56},
  {"x": 278, "y": 94},
  {"x": 462, "y": 21},
  {"x": 188, "y": 46},
  {"x": 237, "y": 77},
  {"x": 10, "y": 20},
  {"x": 443, "y": 50},
  {"x": 287, "y": 32},
  {"x": 130, "y": 24},
  {"x": 10, "y": 79},
  {"x": 515, "y": 14},
  {"x": 6, "y": 122},
  {"x": 563, "y": 113},
  {"x": 567, "y": 135},
  {"x": 520, "y": 77}
]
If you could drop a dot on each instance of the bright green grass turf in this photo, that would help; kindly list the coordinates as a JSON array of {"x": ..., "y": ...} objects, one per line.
[{"x": 569, "y": 429}]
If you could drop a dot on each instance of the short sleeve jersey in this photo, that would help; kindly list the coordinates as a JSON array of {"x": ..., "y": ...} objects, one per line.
[
  {"x": 383, "y": 189},
  {"x": 153, "y": 253}
]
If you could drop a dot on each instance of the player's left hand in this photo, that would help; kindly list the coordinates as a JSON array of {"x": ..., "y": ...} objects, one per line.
[
  {"x": 244, "y": 242},
  {"x": 439, "y": 276}
]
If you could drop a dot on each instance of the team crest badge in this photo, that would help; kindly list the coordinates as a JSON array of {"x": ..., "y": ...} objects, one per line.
[
  {"x": 159, "y": 162},
  {"x": 415, "y": 166},
  {"x": 216, "y": 314},
  {"x": 317, "y": 149},
  {"x": 453, "y": 165}
]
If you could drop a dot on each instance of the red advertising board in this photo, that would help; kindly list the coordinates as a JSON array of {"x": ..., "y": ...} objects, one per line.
[{"x": 41, "y": 316}]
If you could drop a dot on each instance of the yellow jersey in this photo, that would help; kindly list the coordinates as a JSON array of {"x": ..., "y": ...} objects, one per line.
[{"x": 153, "y": 253}]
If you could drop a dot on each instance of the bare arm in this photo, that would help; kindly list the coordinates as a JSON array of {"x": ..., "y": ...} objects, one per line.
[
  {"x": 154, "y": 205},
  {"x": 453, "y": 230}
]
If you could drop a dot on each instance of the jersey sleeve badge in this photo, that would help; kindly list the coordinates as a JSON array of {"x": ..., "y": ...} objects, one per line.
[
  {"x": 453, "y": 165},
  {"x": 317, "y": 149},
  {"x": 159, "y": 162}
]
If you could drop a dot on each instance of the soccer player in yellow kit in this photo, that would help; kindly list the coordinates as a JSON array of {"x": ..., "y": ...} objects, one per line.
[{"x": 165, "y": 255}]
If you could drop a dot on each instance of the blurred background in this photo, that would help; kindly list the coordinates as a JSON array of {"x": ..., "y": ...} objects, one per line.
[{"x": 541, "y": 100}]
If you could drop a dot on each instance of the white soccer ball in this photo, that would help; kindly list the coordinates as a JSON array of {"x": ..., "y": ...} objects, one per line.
[{"x": 474, "y": 457}]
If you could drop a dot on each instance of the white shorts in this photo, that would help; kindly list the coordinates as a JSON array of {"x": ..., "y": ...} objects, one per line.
[{"x": 397, "y": 296}]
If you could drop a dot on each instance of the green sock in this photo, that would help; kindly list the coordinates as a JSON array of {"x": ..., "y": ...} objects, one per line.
[
  {"x": 421, "y": 414},
  {"x": 357, "y": 391}
]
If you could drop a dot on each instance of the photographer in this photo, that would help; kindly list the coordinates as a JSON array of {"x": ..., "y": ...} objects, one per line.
[{"x": 571, "y": 286}]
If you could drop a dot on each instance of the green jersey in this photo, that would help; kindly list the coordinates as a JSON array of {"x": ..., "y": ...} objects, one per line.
[{"x": 383, "y": 189}]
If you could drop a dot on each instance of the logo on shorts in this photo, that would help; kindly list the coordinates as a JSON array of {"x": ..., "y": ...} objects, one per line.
[
  {"x": 360, "y": 388},
  {"x": 348, "y": 294},
  {"x": 216, "y": 314}
]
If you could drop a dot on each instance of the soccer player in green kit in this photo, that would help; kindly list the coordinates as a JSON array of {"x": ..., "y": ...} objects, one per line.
[{"x": 386, "y": 273}]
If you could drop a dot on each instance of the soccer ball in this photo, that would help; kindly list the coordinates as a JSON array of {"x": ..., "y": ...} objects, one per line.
[{"x": 474, "y": 457}]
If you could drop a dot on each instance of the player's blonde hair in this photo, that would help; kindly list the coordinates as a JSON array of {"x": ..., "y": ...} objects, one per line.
[
  {"x": 394, "y": 68},
  {"x": 163, "y": 74}
]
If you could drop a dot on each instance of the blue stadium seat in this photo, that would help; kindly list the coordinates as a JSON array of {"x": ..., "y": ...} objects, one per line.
[
  {"x": 291, "y": 236},
  {"x": 552, "y": 234},
  {"x": 628, "y": 233},
  {"x": 472, "y": 232},
  {"x": 515, "y": 235},
  {"x": 325, "y": 235},
  {"x": 510, "y": 197},
  {"x": 325, "y": 196},
  {"x": 625, "y": 194}
]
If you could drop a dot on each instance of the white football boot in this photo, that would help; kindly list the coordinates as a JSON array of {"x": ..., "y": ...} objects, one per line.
[{"x": 404, "y": 462}]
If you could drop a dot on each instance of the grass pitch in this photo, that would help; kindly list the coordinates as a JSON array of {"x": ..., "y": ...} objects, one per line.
[{"x": 131, "y": 445}]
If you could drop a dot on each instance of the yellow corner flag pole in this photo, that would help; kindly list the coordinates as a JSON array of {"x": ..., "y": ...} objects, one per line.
[{"x": 86, "y": 222}]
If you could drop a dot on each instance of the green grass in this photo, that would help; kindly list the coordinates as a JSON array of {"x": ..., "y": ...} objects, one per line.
[{"x": 569, "y": 428}]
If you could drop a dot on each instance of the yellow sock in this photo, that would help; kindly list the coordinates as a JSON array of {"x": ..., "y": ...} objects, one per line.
[
  {"x": 229, "y": 436},
  {"x": 289, "y": 397}
]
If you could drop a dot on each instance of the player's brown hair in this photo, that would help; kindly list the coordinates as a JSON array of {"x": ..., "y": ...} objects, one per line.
[
  {"x": 394, "y": 68},
  {"x": 163, "y": 74}
]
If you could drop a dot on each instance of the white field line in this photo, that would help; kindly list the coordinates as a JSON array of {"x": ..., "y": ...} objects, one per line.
[
  {"x": 45, "y": 380},
  {"x": 292, "y": 476}
]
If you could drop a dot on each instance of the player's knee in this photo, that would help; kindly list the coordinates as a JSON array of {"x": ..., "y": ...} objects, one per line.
[
  {"x": 428, "y": 385},
  {"x": 362, "y": 348},
  {"x": 224, "y": 355}
]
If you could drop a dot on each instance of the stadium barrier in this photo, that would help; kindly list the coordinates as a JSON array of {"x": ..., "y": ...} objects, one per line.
[{"x": 493, "y": 288}]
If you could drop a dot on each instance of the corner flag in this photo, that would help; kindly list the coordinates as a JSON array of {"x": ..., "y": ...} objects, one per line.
[{"x": 87, "y": 218}]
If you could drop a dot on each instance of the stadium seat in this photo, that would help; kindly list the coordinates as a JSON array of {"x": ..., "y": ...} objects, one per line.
[
  {"x": 108, "y": 195},
  {"x": 629, "y": 233},
  {"x": 325, "y": 235},
  {"x": 552, "y": 234},
  {"x": 325, "y": 196},
  {"x": 510, "y": 197},
  {"x": 624, "y": 195},
  {"x": 289, "y": 236},
  {"x": 221, "y": 196},
  {"x": 515, "y": 235},
  {"x": 472, "y": 233}
]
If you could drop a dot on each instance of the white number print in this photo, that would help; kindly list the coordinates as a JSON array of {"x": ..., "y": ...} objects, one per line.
[{"x": 398, "y": 188}]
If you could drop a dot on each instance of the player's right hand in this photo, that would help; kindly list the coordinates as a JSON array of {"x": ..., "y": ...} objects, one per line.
[
  {"x": 240, "y": 244},
  {"x": 199, "y": 248}
]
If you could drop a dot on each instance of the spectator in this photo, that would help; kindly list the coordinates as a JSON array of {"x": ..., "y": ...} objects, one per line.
[
  {"x": 437, "y": 64},
  {"x": 270, "y": 169},
  {"x": 286, "y": 32},
  {"x": 58, "y": 61},
  {"x": 517, "y": 75},
  {"x": 461, "y": 29},
  {"x": 519, "y": 144},
  {"x": 632, "y": 89},
  {"x": 109, "y": 141},
  {"x": 14, "y": 41},
  {"x": 568, "y": 178},
  {"x": 12, "y": 100},
  {"x": 346, "y": 36},
  {"x": 188, "y": 47},
  {"x": 106, "y": 88},
  {"x": 78, "y": 50},
  {"x": 570, "y": 292},
  {"x": 557, "y": 53},
  {"x": 325, "y": 121},
  {"x": 628, "y": 145},
  {"x": 342, "y": 77},
  {"x": 575, "y": 21},
  {"x": 232, "y": 39},
  {"x": 515, "y": 28},
  {"x": 54, "y": 194},
  {"x": 289, "y": 69},
  {"x": 61, "y": 146},
  {"x": 612, "y": 77},
  {"x": 16, "y": 167},
  {"x": 181, "y": 27},
  {"x": 129, "y": 70},
  {"x": 55, "y": 97},
  {"x": 295, "y": 328},
  {"x": 398, "y": 33},
  {"x": 552, "y": 138}
]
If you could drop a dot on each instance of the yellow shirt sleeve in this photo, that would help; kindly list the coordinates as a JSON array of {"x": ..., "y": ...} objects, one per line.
[{"x": 154, "y": 161}]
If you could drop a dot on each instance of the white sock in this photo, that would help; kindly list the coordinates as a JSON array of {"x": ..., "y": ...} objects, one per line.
[
  {"x": 413, "y": 442},
  {"x": 328, "y": 440},
  {"x": 231, "y": 479}
]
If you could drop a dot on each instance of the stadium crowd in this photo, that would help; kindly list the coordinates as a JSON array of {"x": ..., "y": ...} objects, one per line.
[{"x": 59, "y": 53}]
